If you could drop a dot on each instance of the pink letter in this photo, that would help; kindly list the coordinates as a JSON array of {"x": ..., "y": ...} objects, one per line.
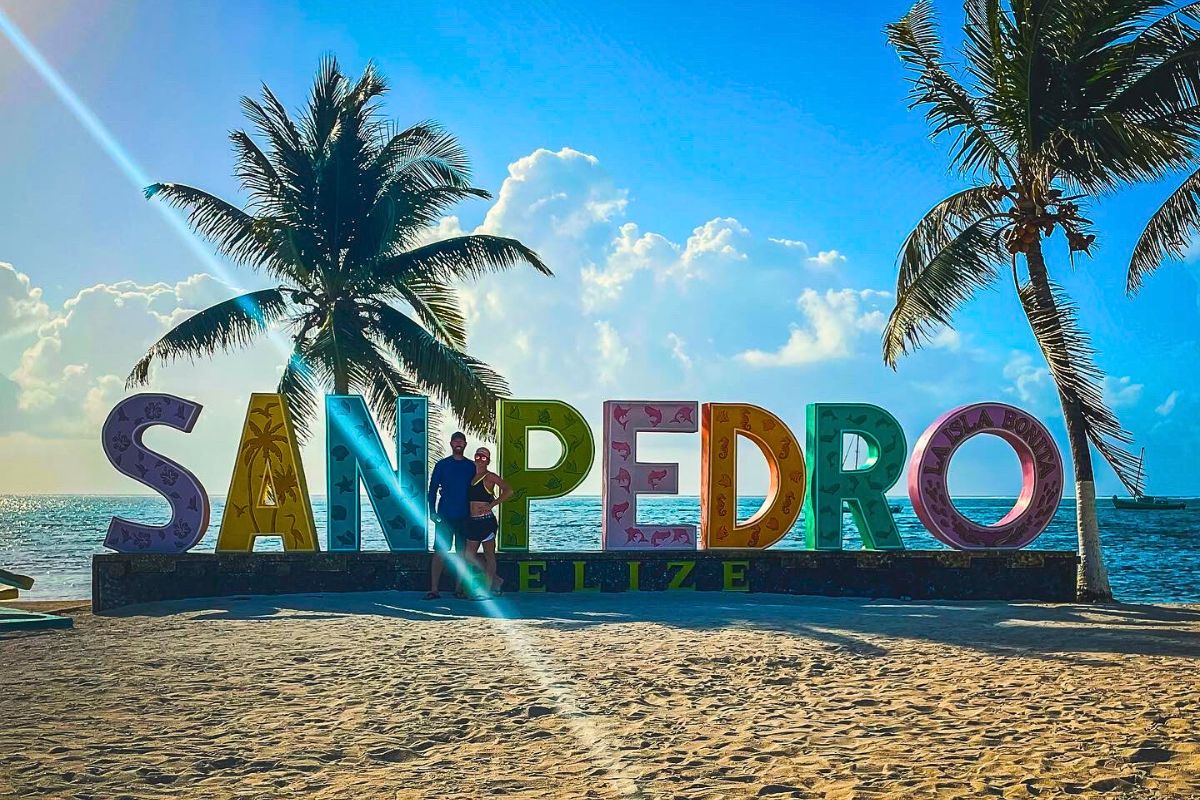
[{"x": 625, "y": 477}]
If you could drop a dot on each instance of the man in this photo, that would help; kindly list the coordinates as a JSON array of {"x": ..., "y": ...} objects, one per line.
[{"x": 451, "y": 477}]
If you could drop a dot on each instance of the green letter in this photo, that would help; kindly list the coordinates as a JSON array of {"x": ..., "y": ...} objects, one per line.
[
  {"x": 735, "y": 576},
  {"x": 579, "y": 584},
  {"x": 685, "y": 569},
  {"x": 526, "y": 576},
  {"x": 515, "y": 418},
  {"x": 862, "y": 489}
]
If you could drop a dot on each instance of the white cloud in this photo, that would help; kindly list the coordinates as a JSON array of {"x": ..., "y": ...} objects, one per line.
[
  {"x": 21, "y": 307},
  {"x": 826, "y": 259},
  {"x": 835, "y": 322},
  {"x": 1122, "y": 392},
  {"x": 711, "y": 245},
  {"x": 715, "y": 239},
  {"x": 446, "y": 228},
  {"x": 679, "y": 350},
  {"x": 794, "y": 244},
  {"x": 1030, "y": 382},
  {"x": 630, "y": 253},
  {"x": 566, "y": 190},
  {"x": 75, "y": 370},
  {"x": 613, "y": 354},
  {"x": 946, "y": 339},
  {"x": 1168, "y": 405}
]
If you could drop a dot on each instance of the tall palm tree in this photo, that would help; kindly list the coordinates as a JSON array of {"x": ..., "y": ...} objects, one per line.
[
  {"x": 1059, "y": 101},
  {"x": 339, "y": 201}
]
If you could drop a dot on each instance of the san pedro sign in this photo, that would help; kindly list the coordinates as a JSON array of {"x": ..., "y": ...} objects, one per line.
[{"x": 268, "y": 490}]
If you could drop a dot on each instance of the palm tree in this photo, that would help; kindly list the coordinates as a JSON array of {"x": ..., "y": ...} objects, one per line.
[
  {"x": 339, "y": 202},
  {"x": 1060, "y": 101}
]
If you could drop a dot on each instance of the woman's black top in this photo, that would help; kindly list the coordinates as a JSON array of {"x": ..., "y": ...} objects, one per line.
[{"x": 478, "y": 491}]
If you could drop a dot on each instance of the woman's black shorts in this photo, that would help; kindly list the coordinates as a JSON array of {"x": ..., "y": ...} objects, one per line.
[{"x": 482, "y": 529}]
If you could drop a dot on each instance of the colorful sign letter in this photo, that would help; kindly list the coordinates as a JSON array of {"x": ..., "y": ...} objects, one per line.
[
  {"x": 515, "y": 418},
  {"x": 355, "y": 452},
  {"x": 625, "y": 477},
  {"x": 1041, "y": 477},
  {"x": 268, "y": 495},
  {"x": 721, "y": 424},
  {"x": 860, "y": 488},
  {"x": 122, "y": 439}
]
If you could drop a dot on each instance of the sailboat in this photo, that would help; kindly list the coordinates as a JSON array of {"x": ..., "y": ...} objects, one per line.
[
  {"x": 1146, "y": 502},
  {"x": 895, "y": 508}
]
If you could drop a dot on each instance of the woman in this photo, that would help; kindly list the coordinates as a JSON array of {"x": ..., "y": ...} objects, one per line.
[{"x": 482, "y": 526}]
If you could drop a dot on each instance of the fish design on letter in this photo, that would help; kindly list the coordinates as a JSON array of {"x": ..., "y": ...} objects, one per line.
[
  {"x": 622, "y": 449},
  {"x": 659, "y": 537},
  {"x": 623, "y": 478},
  {"x": 619, "y": 510},
  {"x": 634, "y": 535},
  {"x": 684, "y": 414},
  {"x": 654, "y": 414},
  {"x": 655, "y": 477},
  {"x": 621, "y": 415}
]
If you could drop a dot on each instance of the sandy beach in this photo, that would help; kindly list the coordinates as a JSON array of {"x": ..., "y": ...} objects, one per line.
[{"x": 599, "y": 696}]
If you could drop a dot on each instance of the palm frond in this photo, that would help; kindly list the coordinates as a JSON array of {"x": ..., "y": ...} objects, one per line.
[
  {"x": 1071, "y": 359},
  {"x": 1168, "y": 233},
  {"x": 469, "y": 387},
  {"x": 941, "y": 224},
  {"x": 300, "y": 385},
  {"x": 228, "y": 324},
  {"x": 460, "y": 257},
  {"x": 228, "y": 227},
  {"x": 436, "y": 306},
  {"x": 966, "y": 259},
  {"x": 950, "y": 108},
  {"x": 427, "y": 154}
]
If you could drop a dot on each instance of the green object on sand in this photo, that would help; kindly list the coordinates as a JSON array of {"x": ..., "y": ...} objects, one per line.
[
  {"x": 14, "y": 580},
  {"x": 16, "y": 619}
]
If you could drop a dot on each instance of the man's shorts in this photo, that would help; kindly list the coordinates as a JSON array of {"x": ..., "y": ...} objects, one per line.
[{"x": 448, "y": 534}]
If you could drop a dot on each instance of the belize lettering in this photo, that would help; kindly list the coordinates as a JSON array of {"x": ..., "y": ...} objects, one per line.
[{"x": 268, "y": 491}]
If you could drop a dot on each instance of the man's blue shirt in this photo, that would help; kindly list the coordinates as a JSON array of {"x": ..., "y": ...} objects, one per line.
[{"x": 453, "y": 476}]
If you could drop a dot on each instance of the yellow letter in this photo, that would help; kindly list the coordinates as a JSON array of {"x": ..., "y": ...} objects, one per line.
[
  {"x": 268, "y": 495},
  {"x": 526, "y": 576},
  {"x": 735, "y": 576},
  {"x": 720, "y": 425},
  {"x": 634, "y": 582},
  {"x": 579, "y": 585},
  {"x": 685, "y": 569}
]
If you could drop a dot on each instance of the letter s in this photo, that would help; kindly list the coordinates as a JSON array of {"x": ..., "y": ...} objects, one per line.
[{"x": 122, "y": 440}]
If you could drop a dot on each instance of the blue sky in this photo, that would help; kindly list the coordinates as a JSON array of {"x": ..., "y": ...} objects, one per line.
[{"x": 666, "y": 161}]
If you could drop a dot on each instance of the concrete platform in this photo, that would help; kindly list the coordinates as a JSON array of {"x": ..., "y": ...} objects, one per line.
[{"x": 120, "y": 579}]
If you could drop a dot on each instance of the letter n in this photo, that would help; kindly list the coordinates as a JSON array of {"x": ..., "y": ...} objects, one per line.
[{"x": 355, "y": 454}]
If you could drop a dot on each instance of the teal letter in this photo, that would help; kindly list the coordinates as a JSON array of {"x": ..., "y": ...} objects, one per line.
[
  {"x": 354, "y": 452},
  {"x": 862, "y": 489}
]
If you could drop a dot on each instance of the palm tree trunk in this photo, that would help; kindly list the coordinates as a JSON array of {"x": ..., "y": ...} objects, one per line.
[{"x": 1091, "y": 584}]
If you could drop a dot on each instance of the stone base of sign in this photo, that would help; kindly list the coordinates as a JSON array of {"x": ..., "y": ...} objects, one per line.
[{"x": 120, "y": 579}]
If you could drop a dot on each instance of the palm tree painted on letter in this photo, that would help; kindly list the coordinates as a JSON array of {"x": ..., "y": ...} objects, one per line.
[
  {"x": 339, "y": 201},
  {"x": 1063, "y": 100}
]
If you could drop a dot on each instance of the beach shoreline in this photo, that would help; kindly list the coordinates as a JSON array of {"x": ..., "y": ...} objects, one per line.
[{"x": 605, "y": 695}]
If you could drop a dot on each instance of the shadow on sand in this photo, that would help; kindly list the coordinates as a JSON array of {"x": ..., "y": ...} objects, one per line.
[{"x": 1077, "y": 633}]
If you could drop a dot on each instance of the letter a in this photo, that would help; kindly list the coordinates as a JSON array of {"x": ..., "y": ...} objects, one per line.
[{"x": 268, "y": 495}]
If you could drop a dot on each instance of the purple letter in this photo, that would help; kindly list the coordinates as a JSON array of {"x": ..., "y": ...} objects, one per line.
[{"x": 123, "y": 445}]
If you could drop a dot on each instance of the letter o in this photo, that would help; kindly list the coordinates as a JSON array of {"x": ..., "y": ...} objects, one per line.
[{"x": 1041, "y": 478}]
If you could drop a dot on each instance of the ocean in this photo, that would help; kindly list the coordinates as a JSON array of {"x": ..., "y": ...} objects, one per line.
[{"x": 1152, "y": 556}]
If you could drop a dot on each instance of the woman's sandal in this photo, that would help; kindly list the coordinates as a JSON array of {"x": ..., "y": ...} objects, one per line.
[
  {"x": 432, "y": 596},
  {"x": 498, "y": 589},
  {"x": 460, "y": 594}
]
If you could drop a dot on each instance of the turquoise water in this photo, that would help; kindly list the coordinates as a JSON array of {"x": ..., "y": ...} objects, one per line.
[{"x": 1151, "y": 556}]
